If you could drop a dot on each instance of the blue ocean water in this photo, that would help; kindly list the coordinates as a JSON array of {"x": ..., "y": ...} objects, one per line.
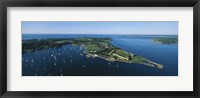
[{"x": 71, "y": 61}]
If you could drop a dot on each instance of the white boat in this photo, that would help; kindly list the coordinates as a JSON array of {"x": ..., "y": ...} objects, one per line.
[
  {"x": 71, "y": 61},
  {"x": 26, "y": 60},
  {"x": 55, "y": 58},
  {"x": 32, "y": 61}
]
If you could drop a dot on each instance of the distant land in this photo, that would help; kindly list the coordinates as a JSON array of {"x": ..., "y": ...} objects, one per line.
[
  {"x": 167, "y": 39},
  {"x": 94, "y": 47}
]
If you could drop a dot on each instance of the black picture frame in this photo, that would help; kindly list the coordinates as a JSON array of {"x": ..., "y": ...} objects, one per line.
[{"x": 98, "y": 3}]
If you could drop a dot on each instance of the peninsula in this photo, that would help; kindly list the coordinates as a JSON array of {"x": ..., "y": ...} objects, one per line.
[{"x": 94, "y": 47}]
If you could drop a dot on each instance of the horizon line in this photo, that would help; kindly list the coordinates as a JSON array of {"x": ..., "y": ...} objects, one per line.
[{"x": 103, "y": 34}]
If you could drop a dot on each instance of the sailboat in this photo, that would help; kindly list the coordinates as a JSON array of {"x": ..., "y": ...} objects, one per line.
[{"x": 71, "y": 61}]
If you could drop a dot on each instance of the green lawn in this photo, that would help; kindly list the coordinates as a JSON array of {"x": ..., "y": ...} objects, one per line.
[
  {"x": 92, "y": 47},
  {"x": 121, "y": 53},
  {"x": 138, "y": 59}
]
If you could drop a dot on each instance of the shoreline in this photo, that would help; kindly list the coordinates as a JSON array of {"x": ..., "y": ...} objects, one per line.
[{"x": 93, "y": 47}]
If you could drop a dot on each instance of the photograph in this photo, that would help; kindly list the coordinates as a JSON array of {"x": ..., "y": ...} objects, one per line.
[{"x": 99, "y": 48}]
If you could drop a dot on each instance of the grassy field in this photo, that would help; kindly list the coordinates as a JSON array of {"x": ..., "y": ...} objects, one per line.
[
  {"x": 93, "y": 47},
  {"x": 122, "y": 53}
]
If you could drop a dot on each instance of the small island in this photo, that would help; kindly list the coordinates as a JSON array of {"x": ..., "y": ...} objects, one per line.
[{"x": 94, "y": 47}]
